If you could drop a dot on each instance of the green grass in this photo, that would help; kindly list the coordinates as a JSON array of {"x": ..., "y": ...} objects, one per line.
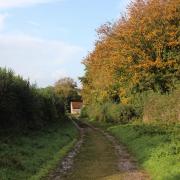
[
  {"x": 31, "y": 155},
  {"x": 156, "y": 147}
]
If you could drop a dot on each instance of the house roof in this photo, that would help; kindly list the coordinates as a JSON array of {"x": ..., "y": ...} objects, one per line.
[{"x": 77, "y": 105}]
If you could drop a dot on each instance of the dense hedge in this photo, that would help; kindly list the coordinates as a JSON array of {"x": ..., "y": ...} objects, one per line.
[{"x": 24, "y": 105}]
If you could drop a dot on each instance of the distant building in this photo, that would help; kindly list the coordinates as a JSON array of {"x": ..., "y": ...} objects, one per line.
[{"x": 76, "y": 107}]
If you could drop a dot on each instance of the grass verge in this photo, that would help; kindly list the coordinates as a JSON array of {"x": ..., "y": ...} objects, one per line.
[
  {"x": 51, "y": 165},
  {"x": 32, "y": 155},
  {"x": 156, "y": 147}
]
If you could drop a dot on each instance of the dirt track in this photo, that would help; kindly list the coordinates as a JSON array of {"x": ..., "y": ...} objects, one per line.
[{"x": 97, "y": 156}]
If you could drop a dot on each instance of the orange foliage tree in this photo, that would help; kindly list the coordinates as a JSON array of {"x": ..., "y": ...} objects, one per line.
[{"x": 137, "y": 53}]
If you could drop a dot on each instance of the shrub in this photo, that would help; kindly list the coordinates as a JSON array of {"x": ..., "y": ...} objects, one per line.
[
  {"x": 111, "y": 112},
  {"x": 122, "y": 113}
]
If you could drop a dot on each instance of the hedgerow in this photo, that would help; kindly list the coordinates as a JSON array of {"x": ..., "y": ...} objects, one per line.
[{"x": 23, "y": 105}]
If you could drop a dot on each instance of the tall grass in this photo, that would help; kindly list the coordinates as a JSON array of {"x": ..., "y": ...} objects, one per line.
[{"x": 162, "y": 108}]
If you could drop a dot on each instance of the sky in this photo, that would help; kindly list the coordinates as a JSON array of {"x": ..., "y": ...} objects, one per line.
[{"x": 45, "y": 40}]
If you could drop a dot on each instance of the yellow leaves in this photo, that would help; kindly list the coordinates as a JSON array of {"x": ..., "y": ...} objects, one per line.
[
  {"x": 103, "y": 96},
  {"x": 125, "y": 100},
  {"x": 174, "y": 43},
  {"x": 140, "y": 45},
  {"x": 122, "y": 92},
  {"x": 135, "y": 78}
]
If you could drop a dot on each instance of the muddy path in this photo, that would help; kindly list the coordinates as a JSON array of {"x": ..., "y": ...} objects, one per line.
[{"x": 98, "y": 156}]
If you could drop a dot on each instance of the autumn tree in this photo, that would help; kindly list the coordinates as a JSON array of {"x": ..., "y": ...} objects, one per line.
[{"x": 139, "y": 52}]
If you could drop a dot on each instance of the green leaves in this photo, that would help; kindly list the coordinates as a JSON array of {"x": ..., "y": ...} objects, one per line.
[{"x": 23, "y": 105}]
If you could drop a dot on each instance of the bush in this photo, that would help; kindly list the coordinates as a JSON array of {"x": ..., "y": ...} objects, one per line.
[
  {"x": 111, "y": 112},
  {"x": 122, "y": 113}
]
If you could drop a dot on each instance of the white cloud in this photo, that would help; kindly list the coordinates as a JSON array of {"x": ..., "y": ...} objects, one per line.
[
  {"x": 2, "y": 20},
  {"x": 38, "y": 59},
  {"x": 22, "y": 3}
]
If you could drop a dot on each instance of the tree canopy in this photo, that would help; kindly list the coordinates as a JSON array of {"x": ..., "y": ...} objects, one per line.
[
  {"x": 137, "y": 53},
  {"x": 67, "y": 88}
]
